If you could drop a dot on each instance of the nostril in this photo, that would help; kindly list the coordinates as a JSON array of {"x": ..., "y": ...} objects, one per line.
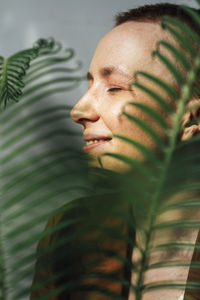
[
  {"x": 83, "y": 113},
  {"x": 81, "y": 121},
  {"x": 84, "y": 121}
]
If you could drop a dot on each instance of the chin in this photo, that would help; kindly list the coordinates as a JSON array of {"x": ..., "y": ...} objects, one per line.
[{"x": 108, "y": 163}]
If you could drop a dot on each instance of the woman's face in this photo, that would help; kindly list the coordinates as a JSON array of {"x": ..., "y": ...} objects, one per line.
[{"x": 122, "y": 51}]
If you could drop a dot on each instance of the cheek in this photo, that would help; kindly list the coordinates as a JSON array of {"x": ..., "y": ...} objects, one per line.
[
  {"x": 145, "y": 117},
  {"x": 132, "y": 130},
  {"x": 111, "y": 112}
]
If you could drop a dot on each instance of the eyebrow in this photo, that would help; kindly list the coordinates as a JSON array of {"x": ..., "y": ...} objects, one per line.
[{"x": 108, "y": 71}]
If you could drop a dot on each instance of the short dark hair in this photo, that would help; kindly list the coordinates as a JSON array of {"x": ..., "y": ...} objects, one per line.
[{"x": 154, "y": 13}]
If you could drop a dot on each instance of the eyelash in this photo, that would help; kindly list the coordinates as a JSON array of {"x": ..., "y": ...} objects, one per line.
[{"x": 114, "y": 89}]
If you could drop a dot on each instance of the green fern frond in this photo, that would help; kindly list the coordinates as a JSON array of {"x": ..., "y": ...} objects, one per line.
[
  {"x": 146, "y": 127},
  {"x": 152, "y": 113},
  {"x": 177, "y": 75},
  {"x": 178, "y": 55},
  {"x": 179, "y": 37},
  {"x": 13, "y": 69},
  {"x": 159, "y": 82},
  {"x": 149, "y": 154},
  {"x": 155, "y": 96}
]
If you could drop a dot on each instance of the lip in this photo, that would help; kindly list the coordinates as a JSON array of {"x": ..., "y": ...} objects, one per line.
[{"x": 102, "y": 141}]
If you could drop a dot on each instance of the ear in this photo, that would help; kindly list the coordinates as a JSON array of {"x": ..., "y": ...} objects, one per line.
[{"x": 191, "y": 120}]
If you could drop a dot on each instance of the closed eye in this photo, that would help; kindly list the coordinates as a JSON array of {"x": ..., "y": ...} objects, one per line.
[{"x": 115, "y": 89}]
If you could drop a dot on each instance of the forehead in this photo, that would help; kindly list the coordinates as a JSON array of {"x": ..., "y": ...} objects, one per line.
[{"x": 129, "y": 46}]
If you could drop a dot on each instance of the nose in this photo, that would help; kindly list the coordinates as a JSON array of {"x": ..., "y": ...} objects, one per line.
[{"x": 85, "y": 111}]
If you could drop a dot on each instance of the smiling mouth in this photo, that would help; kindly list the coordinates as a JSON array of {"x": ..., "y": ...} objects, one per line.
[{"x": 91, "y": 143}]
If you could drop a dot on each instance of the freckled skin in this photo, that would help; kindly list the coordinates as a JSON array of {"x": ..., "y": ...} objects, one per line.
[{"x": 127, "y": 48}]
